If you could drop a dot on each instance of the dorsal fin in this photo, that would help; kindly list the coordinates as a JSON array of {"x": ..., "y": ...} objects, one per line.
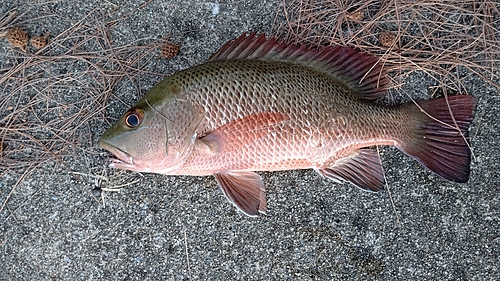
[{"x": 361, "y": 72}]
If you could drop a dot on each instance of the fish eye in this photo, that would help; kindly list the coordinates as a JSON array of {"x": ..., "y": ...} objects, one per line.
[{"x": 133, "y": 117}]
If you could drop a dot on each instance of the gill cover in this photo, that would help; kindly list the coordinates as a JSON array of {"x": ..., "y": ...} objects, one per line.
[
  {"x": 182, "y": 121},
  {"x": 157, "y": 133}
]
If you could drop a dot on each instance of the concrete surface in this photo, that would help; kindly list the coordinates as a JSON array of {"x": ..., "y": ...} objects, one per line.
[{"x": 54, "y": 227}]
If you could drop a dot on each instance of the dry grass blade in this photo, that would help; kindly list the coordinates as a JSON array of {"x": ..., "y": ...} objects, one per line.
[
  {"x": 8, "y": 19},
  {"x": 442, "y": 38},
  {"x": 49, "y": 97},
  {"x": 445, "y": 39}
]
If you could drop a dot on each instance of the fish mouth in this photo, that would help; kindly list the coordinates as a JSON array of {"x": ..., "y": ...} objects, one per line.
[{"x": 121, "y": 160}]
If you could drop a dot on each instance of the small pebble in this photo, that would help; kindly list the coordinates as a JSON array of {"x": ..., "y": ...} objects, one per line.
[{"x": 96, "y": 191}]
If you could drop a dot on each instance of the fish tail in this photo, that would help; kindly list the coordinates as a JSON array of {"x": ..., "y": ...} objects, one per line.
[{"x": 439, "y": 139}]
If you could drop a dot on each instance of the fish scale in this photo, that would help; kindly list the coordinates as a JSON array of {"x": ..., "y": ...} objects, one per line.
[
  {"x": 230, "y": 94},
  {"x": 263, "y": 105}
]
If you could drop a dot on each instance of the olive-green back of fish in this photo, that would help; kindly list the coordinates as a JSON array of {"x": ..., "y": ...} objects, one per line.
[
  {"x": 316, "y": 119},
  {"x": 260, "y": 105}
]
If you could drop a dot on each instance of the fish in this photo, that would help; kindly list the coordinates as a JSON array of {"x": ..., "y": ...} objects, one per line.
[{"x": 260, "y": 104}]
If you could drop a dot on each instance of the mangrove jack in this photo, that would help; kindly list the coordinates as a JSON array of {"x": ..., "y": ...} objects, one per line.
[{"x": 262, "y": 105}]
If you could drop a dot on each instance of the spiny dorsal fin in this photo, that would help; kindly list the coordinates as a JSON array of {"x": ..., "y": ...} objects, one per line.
[{"x": 361, "y": 72}]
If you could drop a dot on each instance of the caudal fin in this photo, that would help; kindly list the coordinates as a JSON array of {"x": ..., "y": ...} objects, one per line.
[{"x": 436, "y": 142}]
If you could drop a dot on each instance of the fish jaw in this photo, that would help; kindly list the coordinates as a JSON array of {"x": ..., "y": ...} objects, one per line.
[{"x": 122, "y": 159}]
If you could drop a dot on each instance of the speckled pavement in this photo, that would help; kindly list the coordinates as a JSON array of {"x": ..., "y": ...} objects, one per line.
[{"x": 57, "y": 227}]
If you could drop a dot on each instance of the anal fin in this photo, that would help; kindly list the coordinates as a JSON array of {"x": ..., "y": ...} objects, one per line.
[
  {"x": 363, "y": 169},
  {"x": 245, "y": 190}
]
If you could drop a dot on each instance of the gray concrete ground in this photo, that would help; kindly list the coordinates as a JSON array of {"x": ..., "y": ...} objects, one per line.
[{"x": 53, "y": 227}]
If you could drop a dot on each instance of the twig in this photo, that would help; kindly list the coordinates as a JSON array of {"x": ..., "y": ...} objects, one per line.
[{"x": 187, "y": 254}]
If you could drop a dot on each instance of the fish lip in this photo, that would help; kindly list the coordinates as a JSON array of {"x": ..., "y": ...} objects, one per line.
[{"x": 121, "y": 158}]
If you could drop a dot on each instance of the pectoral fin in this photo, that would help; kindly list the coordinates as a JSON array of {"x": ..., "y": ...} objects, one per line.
[
  {"x": 245, "y": 190},
  {"x": 242, "y": 132},
  {"x": 363, "y": 169}
]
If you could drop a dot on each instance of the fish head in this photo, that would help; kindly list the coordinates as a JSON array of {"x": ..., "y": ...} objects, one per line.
[{"x": 155, "y": 135}]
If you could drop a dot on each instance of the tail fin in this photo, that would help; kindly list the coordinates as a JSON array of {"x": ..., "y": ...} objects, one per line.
[{"x": 436, "y": 143}]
